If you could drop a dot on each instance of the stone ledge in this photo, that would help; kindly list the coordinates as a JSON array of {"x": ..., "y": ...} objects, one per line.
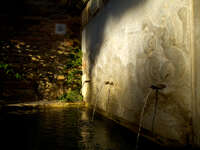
[
  {"x": 42, "y": 105},
  {"x": 162, "y": 141}
]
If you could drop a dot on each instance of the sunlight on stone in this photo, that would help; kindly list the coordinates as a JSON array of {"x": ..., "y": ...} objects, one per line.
[
  {"x": 60, "y": 52},
  {"x": 34, "y": 59},
  {"x": 18, "y": 46},
  {"x": 60, "y": 77},
  {"x": 38, "y": 56}
]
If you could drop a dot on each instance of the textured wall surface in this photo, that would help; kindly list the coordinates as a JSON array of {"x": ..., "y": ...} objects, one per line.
[
  {"x": 196, "y": 71},
  {"x": 136, "y": 44}
]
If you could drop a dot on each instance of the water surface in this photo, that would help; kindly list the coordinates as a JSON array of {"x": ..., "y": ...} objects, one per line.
[{"x": 64, "y": 129}]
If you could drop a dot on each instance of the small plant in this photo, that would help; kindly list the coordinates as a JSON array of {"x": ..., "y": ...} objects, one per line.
[
  {"x": 71, "y": 96},
  {"x": 9, "y": 71},
  {"x": 73, "y": 77},
  {"x": 74, "y": 72},
  {"x": 75, "y": 59},
  {"x": 5, "y": 68},
  {"x": 18, "y": 76},
  {"x": 62, "y": 97},
  {"x": 70, "y": 77}
]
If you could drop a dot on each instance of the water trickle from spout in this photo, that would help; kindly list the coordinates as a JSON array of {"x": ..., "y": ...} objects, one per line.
[
  {"x": 95, "y": 105},
  {"x": 155, "y": 110},
  {"x": 108, "y": 100},
  {"x": 142, "y": 117}
]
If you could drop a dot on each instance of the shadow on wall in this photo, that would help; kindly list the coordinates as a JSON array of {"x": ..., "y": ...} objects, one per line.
[
  {"x": 96, "y": 30},
  {"x": 114, "y": 10}
]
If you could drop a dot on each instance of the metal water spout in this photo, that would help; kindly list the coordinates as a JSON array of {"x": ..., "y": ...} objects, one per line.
[
  {"x": 142, "y": 118},
  {"x": 109, "y": 83},
  {"x": 97, "y": 95},
  {"x": 109, "y": 87},
  {"x": 156, "y": 88},
  {"x": 84, "y": 82}
]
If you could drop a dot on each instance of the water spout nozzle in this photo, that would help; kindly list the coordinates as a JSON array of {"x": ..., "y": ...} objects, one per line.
[
  {"x": 86, "y": 81},
  {"x": 111, "y": 83},
  {"x": 158, "y": 86},
  {"x": 108, "y": 83}
]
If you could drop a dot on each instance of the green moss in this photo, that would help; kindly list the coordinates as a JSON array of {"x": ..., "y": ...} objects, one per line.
[
  {"x": 71, "y": 96},
  {"x": 74, "y": 72},
  {"x": 7, "y": 70},
  {"x": 73, "y": 77}
]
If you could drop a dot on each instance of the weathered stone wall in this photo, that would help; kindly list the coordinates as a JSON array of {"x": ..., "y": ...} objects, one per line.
[
  {"x": 31, "y": 48},
  {"x": 91, "y": 9},
  {"x": 133, "y": 45},
  {"x": 196, "y": 71}
]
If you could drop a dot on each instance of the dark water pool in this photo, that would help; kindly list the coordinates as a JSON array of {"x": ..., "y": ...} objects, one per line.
[{"x": 64, "y": 129}]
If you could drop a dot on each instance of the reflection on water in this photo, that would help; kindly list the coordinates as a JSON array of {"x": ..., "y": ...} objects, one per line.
[{"x": 64, "y": 129}]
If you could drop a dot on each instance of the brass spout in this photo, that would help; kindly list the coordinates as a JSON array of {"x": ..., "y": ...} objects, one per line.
[
  {"x": 158, "y": 86},
  {"x": 108, "y": 83}
]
